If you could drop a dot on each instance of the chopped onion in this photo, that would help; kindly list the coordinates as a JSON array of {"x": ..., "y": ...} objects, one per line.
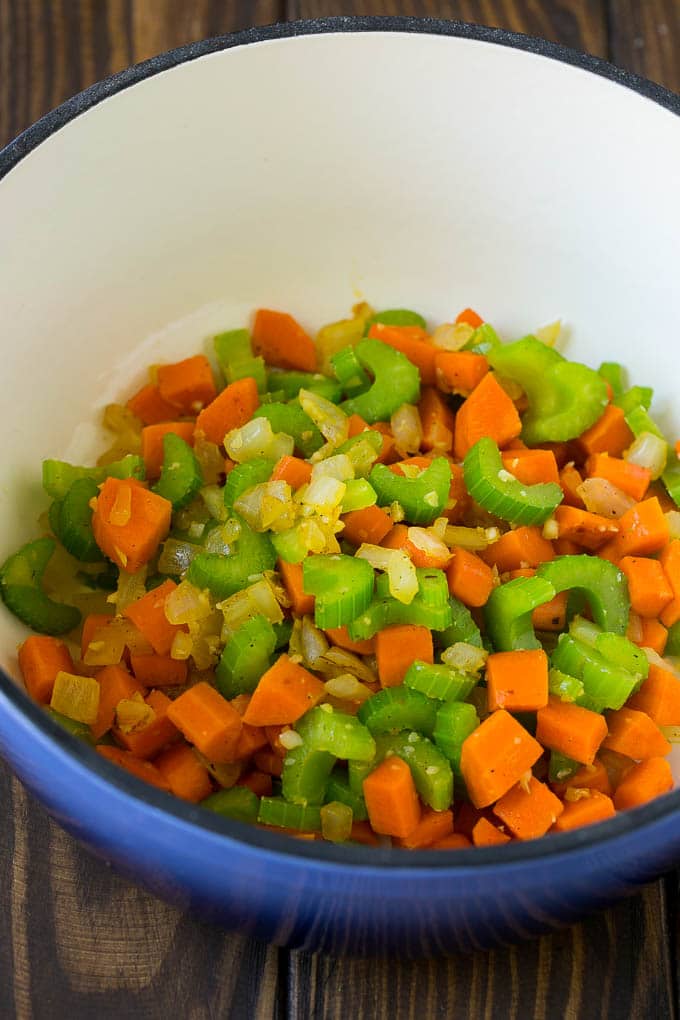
[
  {"x": 133, "y": 714},
  {"x": 550, "y": 334},
  {"x": 671, "y": 733},
  {"x": 673, "y": 518},
  {"x": 176, "y": 556},
  {"x": 648, "y": 451},
  {"x": 401, "y": 573},
  {"x": 256, "y": 439},
  {"x": 363, "y": 456},
  {"x": 551, "y": 529},
  {"x": 451, "y": 336},
  {"x": 336, "y": 821},
  {"x": 182, "y": 645},
  {"x": 227, "y": 775},
  {"x": 332, "y": 423},
  {"x": 407, "y": 429},
  {"x": 186, "y": 604},
  {"x": 346, "y": 687},
  {"x": 601, "y": 497},
  {"x": 654, "y": 659},
  {"x": 339, "y": 467},
  {"x": 429, "y": 544},
  {"x": 467, "y": 658},
  {"x": 213, "y": 498},
  {"x": 439, "y": 527},
  {"x": 76, "y": 697},
  {"x": 130, "y": 588},
  {"x": 314, "y": 642},
  {"x": 210, "y": 460},
  {"x": 470, "y": 538},
  {"x": 107, "y": 645},
  {"x": 290, "y": 739},
  {"x": 324, "y": 494},
  {"x": 341, "y": 661},
  {"x": 267, "y": 506}
]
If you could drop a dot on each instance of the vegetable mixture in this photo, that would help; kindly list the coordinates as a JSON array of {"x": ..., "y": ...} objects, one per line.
[{"x": 392, "y": 586}]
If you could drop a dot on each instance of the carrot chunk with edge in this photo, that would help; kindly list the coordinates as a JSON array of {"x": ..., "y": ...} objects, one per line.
[
  {"x": 645, "y": 781},
  {"x": 495, "y": 756},
  {"x": 470, "y": 579},
  {"x": 368, "y": 525},
  {"x": 148, "y": 405},
  {"x": 115, "y": 683},
  {"x": 529, "y": 813},
  {"x": 433, "y": 826},
  {"x": 159, "y": 670},
  {"x": 340, "y": 636},
  {"x": 186, "y": 776},
  {"x": 411, "y": 341},
  {"x": 648, "y": 585},
  {"x": 588, "y": 777},
  {"x": 521, "y": 547},
  {"x": 459, "y": 371},
  {"x": 144, "y": 770},
  {"x": 610, "y": 434},
  {"x": 488, "y": 411},
  {"x": 594, "y": 808},
  {"x": 484, "y": 833},
  {"x": 148, "y": 615},
  {"x": 586, "y": 529},
  {"x": 391, "y": 799},
  {"x": 152, "y": 738},
  {"x": 293, "y": 470},
  {"x": 282, "y": 341},
  {"x": 188, "y": 385},
  {"x": 130, "y": 545},
  {"x": 152, "y": 443},
  {"x": 642, "y": 530},
  {"x": 570, "y": 729},
  {"x": 659, "y": 697},
  {"x": 635, "y": 734},
  {"x": 284, "y": 693},
  {"x": 517, "y": 681},
  {"x": 630, "y": 478},
  {"x": 397, "y": 647},
  {"x": 40, "y": 659},
  {"x": 208, "y": 721},
  {"x": 291, "y": 575},
  {"x": 234, "y": 406}
]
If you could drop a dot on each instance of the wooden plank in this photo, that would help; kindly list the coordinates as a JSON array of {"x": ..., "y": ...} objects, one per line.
[
  {"x": 645, "y": 38},
  {"x": 51, "y": 49},
  {"x": 578, "y": 23},
  {"x": 79, "y": 941}
]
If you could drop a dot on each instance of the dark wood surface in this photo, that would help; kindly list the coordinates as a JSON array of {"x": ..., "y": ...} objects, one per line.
[{"x": 78, "y": 942}]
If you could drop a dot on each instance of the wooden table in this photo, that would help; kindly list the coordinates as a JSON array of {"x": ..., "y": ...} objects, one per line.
[{"x": 75, "y": 940}]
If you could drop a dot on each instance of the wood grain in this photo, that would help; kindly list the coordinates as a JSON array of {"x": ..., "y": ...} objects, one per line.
[{"x": 645, "y": 38}]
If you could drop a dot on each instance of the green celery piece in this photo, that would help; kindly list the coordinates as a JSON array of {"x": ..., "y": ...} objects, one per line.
[
  {"x": 431, "y": 770},
  {"x": 245, "y": 476},
  {"x": 290, "y": 383},
  {"x": 363, "y": 450},
  {"x": 342, "y": 586},
  {"x": 21, "y": 590},
  {"x": 430, "y": 608},
  {"x": 104, "y": 580},
  {"x": 225, "y": 575},
  {"x": 77, "y": 729},
  {"x": 338, "y": 733},
  {"x": 564, "y": 686},
  {"x": 238, "y": 803},
  {"x": 508, "y": 610},
  {"x": 503, "y": 496},
  {"x": 601, "y": 582},
  {"x": 282, "y": 633},
  {"x": 338, "y": 789},
  {"x": 462, "y": 628},
  {"x": 305, "y": 774},
  {"x": 280, "y": 812},
  {"x": 58, "y": 476},
  {"x": 181, "y": 475},
  {"x": 72, "y": 521},
  {"x": 673, "y": 640},
  {"x": 359, "y": 494},
  {"x": 292, "y": 420},
  {"x": 433, "y": 590},
  {"x": 397, "y": 317},
  {"x": 439, "y": 681},
  {"x": 236, "y": 359},
  {"x": 639, "y": 420},
  {"x": 455, "y": 721},
  {"x": 561, "y": 767},
  {"x": 398, "y": 708},
  {"x": 636, "y": 396},
  {"x": 484, "y": 339},
  {"x": 605, "y": 685},
  {"x": 671, "y": 477},
  {"x": 565, "y": 397},
  {"x": 619, "y": 651},
  {"x": 273, "y": 397},
  {"x": 245, "y": 657},
  {"x": 422, "y": 498},
  {"x": 395, "y": 382},
  {"x": 290, "y": 545},
  {"x": 349, "y": 373},
  {"x": 615, "y": 374}
]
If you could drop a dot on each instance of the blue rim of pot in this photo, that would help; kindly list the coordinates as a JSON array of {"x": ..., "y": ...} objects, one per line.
[{"x": 381, "y": 859}]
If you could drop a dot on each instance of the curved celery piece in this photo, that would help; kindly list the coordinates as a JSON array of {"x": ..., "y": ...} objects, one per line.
[
  {"x": 422, "y": 498},
  {"x": 77, "y": 729},
  {"x": 639, "y": 420},
  {"x": 614, "y": 374},
  {"x": 181, "y": 475},
  {"x": 71, "y": 520},
  {"x": 290, "y": 544},
  {"x": 605, "y": 685},
  {"x": 225, "y": 575},
  {"x": 305, "y": 774},
  {"x": 433, "y": 590},
  {"x": 338, "y": 789},
  {"x": 245, "y": 657},
  {"x": 239, "y": 803},
  {"x": 454, "y": 723},
  {"x": 430, "y": 607},
  {"x": 339, "y": 733},
  {"x": 431, "y": 770},
  {"x": 245, "y": 476},
  {"x": 290, "y": 383},
  {"x": 359, "y": 494},
  {"x": 349, "y": 373},
  {"x": 482, "y": 340},
  {"x": 501, "y": 494},
  {"x": 508, "y": 612},
  {"x": 292, "y": 420},
  {"x": 395, "y": 382},
  {"x": 280, "y": 812},
  {"x": 600, "y": 581},
  {"x": 462, "y": 627},
  {"x": 636, "y": 396},
  {"x": 236, "y": 359},
  {"x": 439, "y": 681},
  {"x": 397, "y": 317},
  {"x": 564, "y": 686},
  {"x": 20, "y": 587},
  {"x": 565, "y": 397},
  {"x": 398, "y": 708},
  {"x": 58, "y": 476},
  {"x": 342, "y": 586}
]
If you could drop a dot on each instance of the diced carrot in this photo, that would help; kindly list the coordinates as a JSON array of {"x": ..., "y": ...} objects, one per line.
[
  {"x": 648, "y": 585},
  {"x": 645, "y": 781},
  {"x": 391, "y": 799},
  {"x": 234, "y": 406},
  {"x": 528, "y": 813},
  {"x": 659, "y": 697},
  {"x": 149, "y": 740},
  {"x": 570, "y": 479},
  {"x": 363, "y": 833},
  {"x": 253, "y": 738},
  {"x": 397, "y": 647},
  {"x": 610, "y": 434},
  {"x": 411, "y": 341},
  {"x": 152, "y": 443},
  {"x": 531, "y": 467},
  {"x": 565, "y": 547},
  {"x": 159, "y": 670},
  {"x": 653, "y": 635},
  {"x": 584, "y": 528},
  {"x": 187, "y": 777},
  {"x": 495, "y": 756},
  {"x": 520, "y": 547},
  {"x": 294, "y": 470},
  {"x": 208, "y": 721},
  {"x": 132, "y": 544},
  {"x": 459, "y": 371},
  {"x": 551, "y": 616},
  {"x": 670, "y": 561},
  {"x": 433, "y": 826},
  {"x": 356, "y": 425},
  {"x": 459, "y": 498},
  {"x": 424, "y": 549},
  {"x": 91, "y": 624},
  {"x": 564, "y": 453},
  {"x": 469, "y": 316},
  {"x": 144, "y": 770},
  {"x": 149, "y": 406},
  {"x": 456, "y": 841},
  {"x": 485, "y": 833},
  {"x": 595, "y": 807},
  {"x": 571, "y": 730},
  {"x": 188, "y": 385},
  {"x": 115, "y": 683},
  {"x": 148, "y": 615},
  {"x": 470, "y": 579},
  {"x": 340, "y": 636},
  {"x": 488, "y": 411},
  {"x": 368, "y": 525},
  {"x": 396, "y": 537},
  {"x": 630, "y": 478},
  {"x": 437, "y": 421},
  {"x": 229, "y": 465},
  {"x": 291, "y": 575},
  {"x": 40, "y": 659},
  {"x": 616, "y": 765},
  {"x": 588, "y": 777},
  {"x": 282, "y": 341},
  {"x": 269, "y": 762},
  {"x": 642, "y": 530},
  {"x": 284, "y": 693},
  {"x": 635, "y": 734},
  {"x": 517, "y": 681},
  {"x": 259, "y": 782}
]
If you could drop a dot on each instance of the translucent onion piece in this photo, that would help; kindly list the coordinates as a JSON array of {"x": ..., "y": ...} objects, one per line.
[
  {"x": 106, "y": 646},
  {"x": 336, "y": 822},
  {"x": 227, "y": 775},
  {"x": 648, "y": 451},
  {"x": 464, "y": 657},
  {"x": 187, "y": 604},
  {"x": 339, "y": 467},
  {"x": 673, "y": 518},
  {"x": 76, "y": 697},
  {"x": 471, "y": 538},
  {"x": 290, "y": 739},
  {"x": 133, "y": 714},
  {"x": 213, "y": 498},
  {"x": 256, "y": 439},
  {"x": 551, "y": 529},
  {"x": 176, "y": 556},
  {"x": 331, "y": 422},
  {"x": 430, "y": 544},
  {"x": 267, "y": 506},
  {"x": 182, "y": 645},
  {"x": 314, "y": 642},
  {"x": 601, "y": 497},
  {"x": 550, "y": 334},
  {"x": 451, "y": 336},
  {"x": 130, "y": 588},
  {"x": 343, "y": 661},
  {"x": 346, "y": 687},
  {"x": 210, "y": 460},
  {"x": 407, "y": 429},
  {"x": 401, "y": 573},
  {"x": 324, "y": 494}
]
